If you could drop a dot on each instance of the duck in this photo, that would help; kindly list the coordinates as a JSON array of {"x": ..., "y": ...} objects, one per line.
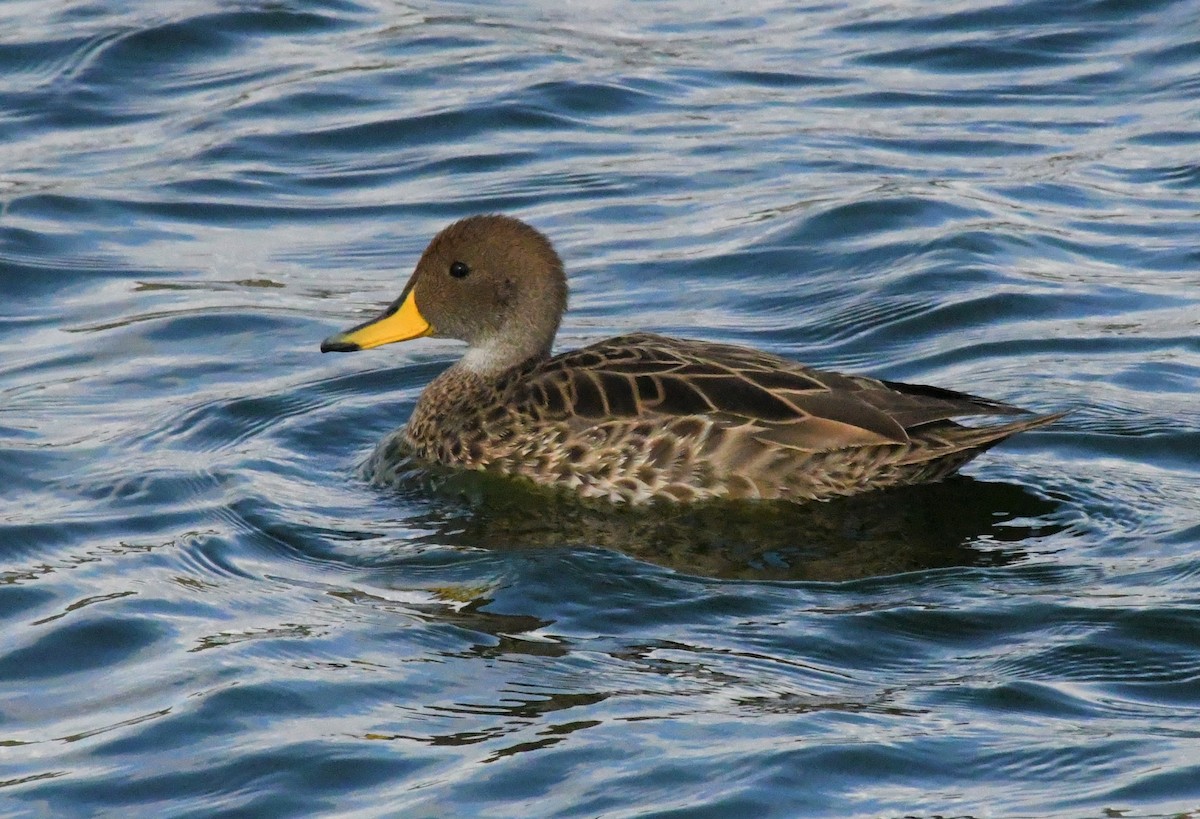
[{"x": 645, "y": 418}]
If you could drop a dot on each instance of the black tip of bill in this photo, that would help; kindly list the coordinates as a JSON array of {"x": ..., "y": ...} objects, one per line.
[{"x": 338, "y": 344}]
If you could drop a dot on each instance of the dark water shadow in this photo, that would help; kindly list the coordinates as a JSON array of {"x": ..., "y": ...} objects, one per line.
[{"x": 958, "y": 522}]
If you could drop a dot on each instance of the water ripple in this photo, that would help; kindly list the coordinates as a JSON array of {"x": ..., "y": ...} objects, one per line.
[{"x": 207, "y": 607}]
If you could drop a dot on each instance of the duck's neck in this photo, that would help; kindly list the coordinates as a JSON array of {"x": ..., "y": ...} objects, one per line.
[
  {"x": 485, "y": 361},
  {"x": 492, "y": 358}
]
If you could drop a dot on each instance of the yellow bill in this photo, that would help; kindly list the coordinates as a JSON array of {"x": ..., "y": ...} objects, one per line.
[{"x": 400, "y": 322}]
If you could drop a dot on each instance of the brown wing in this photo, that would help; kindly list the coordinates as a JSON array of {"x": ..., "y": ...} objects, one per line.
[{"x": 655, "y": 377}]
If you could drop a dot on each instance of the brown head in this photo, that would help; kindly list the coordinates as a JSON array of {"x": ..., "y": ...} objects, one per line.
[{"x": 491, "y": 281}]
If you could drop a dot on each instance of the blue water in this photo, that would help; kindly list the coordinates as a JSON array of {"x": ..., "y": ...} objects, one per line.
[{"x": 205, "y": 610}]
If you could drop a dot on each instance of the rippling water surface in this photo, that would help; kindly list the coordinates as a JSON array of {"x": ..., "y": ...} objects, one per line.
[{"x": 205, "y": 608}]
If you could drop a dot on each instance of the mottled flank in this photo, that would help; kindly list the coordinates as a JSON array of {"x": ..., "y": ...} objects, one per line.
[{"x": 644, "y": 417}]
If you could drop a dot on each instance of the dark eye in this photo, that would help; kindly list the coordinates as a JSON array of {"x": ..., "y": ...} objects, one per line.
[{"x": 459, "y": 270}]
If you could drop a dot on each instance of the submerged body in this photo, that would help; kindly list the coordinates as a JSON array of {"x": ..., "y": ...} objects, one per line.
[{"x": 644, "y": 417}]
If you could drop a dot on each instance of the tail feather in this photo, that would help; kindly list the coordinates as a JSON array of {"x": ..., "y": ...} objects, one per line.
[{"x": 942, "y": 440}]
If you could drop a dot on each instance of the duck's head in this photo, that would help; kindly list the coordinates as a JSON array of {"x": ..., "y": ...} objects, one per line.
[{"x": 491, "y": 281}]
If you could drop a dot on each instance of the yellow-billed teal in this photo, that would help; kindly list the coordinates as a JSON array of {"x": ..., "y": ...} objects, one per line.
[{"x": 643, "y": 417}]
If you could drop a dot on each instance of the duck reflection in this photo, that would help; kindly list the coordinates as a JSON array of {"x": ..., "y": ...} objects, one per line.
[{"x": 958, "y": 522}]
